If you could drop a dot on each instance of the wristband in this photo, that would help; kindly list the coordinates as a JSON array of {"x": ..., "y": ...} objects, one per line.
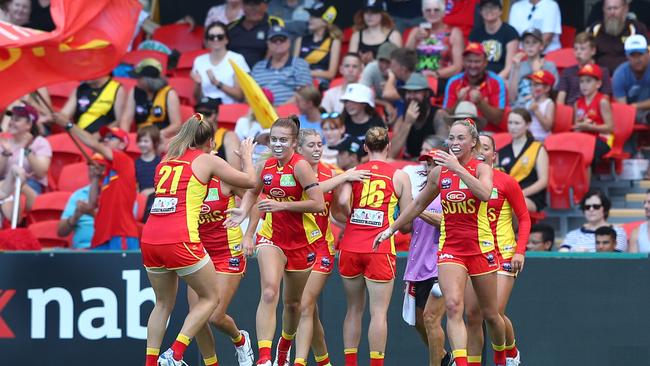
[
  {"x": 69, "y": 126},
  {"x": 310, "y": 186}
]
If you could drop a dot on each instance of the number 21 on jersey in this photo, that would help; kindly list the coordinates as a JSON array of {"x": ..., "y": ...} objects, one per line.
[{"x": 167, "y": 171}]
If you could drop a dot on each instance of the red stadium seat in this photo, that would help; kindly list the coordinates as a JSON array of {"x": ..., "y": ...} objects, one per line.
[
  {"x": 134, "y": 57},
  {"x": 186, "y": 112},
  {"x": 48, "y": 206},
  {"x": 179, "y": 37},
  {"x": 570, "y": 154},
  {"x": 64, "y": 152},
  {"x": 286, "y": 110},
  {"x": 347, "y": 34},
  {"x": 76, "y": 176},
  {"x": 230, "y": 113},
  {"x": 562, "y": 58},
  {"x": 536, "y": 217},
  {"x": 184, "y": 87},
  {"x": 568, "y": 36},
  {"x": 623, "y": 127},
  {"x": 46, "y": 233},
  {"x": 405, "y": 35},
  {"x": 141, "y": 200},
  {"x": 501, "y": 139},
  {"x": 433, "y": 84},
  {"x": 563, "y": 118},
  {"x": 59, "y": 93},
  {"x": 337, "y": 82},
  {"x": 630, "y": 226},
  {"x": 186, "y": 62}
]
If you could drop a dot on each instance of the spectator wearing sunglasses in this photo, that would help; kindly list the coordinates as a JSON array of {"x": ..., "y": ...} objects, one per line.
[
  {"x": 541, "y": 14},
  {"x": 595, "y": 206},
  {"x": 212, "y": 73}
]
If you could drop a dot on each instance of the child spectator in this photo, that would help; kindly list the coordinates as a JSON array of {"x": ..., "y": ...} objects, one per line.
[
  {"x": 350, "y": 70},
  {"x": 145, "y": 166},
  {"x": 541, "y": 106},
  {"x": 519, "y": 87},
  {"x": 593, "y": 111},
  {"x": 584, "y": 48},
  {"x": 308, "y": 100}
]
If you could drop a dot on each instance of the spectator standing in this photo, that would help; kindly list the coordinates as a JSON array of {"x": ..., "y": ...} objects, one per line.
[
  {"x": 40, "y": 16},
  {"x": 526, "y": 160},
  {"x": 225, "y": 13},
  {"x": 212, "y": 72},
  {"x": 373, "y": 27},
  {"x": 350, "y": 69},
  {"x": 439, "y": 47},
  {"x": 420, "y": 120},
  {"x": 640, "y": 237},
  {"x": 632, "y": 78},
  {"x": 96, "y": 103},
  {"x": 500, "y": 40},
  {"x": 606, "y": 240},
  {"x": 78, "y": 217},
  {"x": 541, "y": 239},
  {"x": 483, "y": 88},
  {"x": 359, "y": 114},
  {"x": 281, "y": 73},
  {"x": 148, "y": 140},
  {"x": 595, "y": 206},
  {"x": 584, "y": 48},
  {"x": 538, "y": 14},
  {"x": 375, "y": 76},
  {"x": 540, "y": 106},
  {"x": 612, "y": 31},
  {"x": 16, "y": 12},
  {"x": 308, "y": 100},
  {"x": 321, "y": 46},
  {"x": 405, "y": 13},
  {"x": 248, "y": 34},
  {"x": 461, "y": 14},
  {"x": 518, "y": 83},
  {"x": 333, "y": 132}
]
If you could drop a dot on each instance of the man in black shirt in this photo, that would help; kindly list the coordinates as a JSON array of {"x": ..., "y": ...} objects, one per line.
[{"x": 247, "y": 36}]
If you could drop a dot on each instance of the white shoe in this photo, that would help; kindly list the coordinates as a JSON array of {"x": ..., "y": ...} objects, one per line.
[
  {"x": 245, "y": 355},
  {"x": 167, "y": 359},
  {"x": 514, "y": 361},
  {"x": 277, "y": 353}
]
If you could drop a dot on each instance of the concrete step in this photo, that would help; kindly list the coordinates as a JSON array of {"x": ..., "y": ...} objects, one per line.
[
  {"x": 635, "y": 197},
  {"x": 635, "y": 213},
  {"x": 645, "y": 184}
]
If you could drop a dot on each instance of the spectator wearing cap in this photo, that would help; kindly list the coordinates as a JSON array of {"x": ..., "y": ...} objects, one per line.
[
  {"x": 372, "y": 28},
  {"x": 350, "y": 70},
  {"x": 593, "y": 111},
  {"x": 539, "y": 14},
  {"x": 321, "y": 46},
  {"x": 420, "y": 120},
  {"x": 464, "y": 109},
  {"x": 225, "y": 13},
  {"x": 248, "y": 34},
  {"x": 96, "y": 103},
  {"x": 402, "y": 65},
  {"x": 500, "y": 40},
  {"x": 212, "y": 72},
  {"x": 359, "y": 113},
  {"x": 541, "y": 239},
  {"x": 375, "y": 75},
  {"x": 350, "y": 152},
  {"x": 611, "y": 33},
  {"x": 519, "y": 85},
  {"x": 23, "y": 134},
  {"x": 584, "y": 48},
  {"x": 540, "y": 105},
  {"x": 476, "y": 84},
  {"x": 439, "y": 47},
  {"x": 152, "y": 101},
  {"x": 294, "y": 13},
  {"x": 631, "y": 80},
  {"x": 281, "y": 73},
  {"x": 226, "y": 142},
  {"x": 115, "y": 226}
]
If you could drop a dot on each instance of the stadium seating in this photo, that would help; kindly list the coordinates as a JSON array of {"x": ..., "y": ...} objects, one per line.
[
  {"x": 141, "y": 201},
  {"x": 64, "y": 152},
  {"x": 48, "y": 206},
  {"x": 184, "y": 87},
  {"x": 230, "y": 113},
  {"x": 405, "y": 35},
  {"x": 562, "y": 58},
  {"x": 623, "y": 128},
  {"x": 186, "y": 112},
  {"x": 127, "y": 83},
  {"x": 179, "y": 37},
  {"x": 568, "y": 36},
  {"x": 60, "y": 92},
  {"x": 336, "y": 82},
  {"x": 570, "y": 154},
  {"x": 630, "y": 226},
  {"x": 186, "y": 62},
  {"x": 46, "y": 233},
  {"x": 134, "y": 57},
  {"x": 563, "y": 118},
  {"x": 501, "y": 139},
  {"x": 73, "y": 177}
]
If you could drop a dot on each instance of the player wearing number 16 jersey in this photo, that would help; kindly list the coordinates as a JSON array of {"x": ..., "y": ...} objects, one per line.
[
  {"x": 373, "y": 203},
  {"x": 171, "y": 245}
]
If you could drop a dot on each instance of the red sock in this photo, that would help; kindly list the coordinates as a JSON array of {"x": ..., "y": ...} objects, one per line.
[
  {"x": 264, "y": 350},
  {"x": 179, "y": 346},
  {"x": 512, "y": 352},
  {"x": 460, "y": 357},
  {"x": 322, "y": 360},
  {"x": 239, "y": 341},
  {"x": 151, "y": 358},
  {"x": 499, "y": 355},
  {"x": 350, "y": 357},
  {"x": 376, "y": 358}
]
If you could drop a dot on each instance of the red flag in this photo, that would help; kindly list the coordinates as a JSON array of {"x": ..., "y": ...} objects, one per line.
[{"x": 89, "y": 40}]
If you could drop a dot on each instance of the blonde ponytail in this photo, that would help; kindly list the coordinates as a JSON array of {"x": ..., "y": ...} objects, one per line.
[{"x": 195, "y": 132}]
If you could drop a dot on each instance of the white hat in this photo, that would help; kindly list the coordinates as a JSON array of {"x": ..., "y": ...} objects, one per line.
[
  {"x": 358, "y": 93},
  {"x": 466, "y": 109},
  {"x": 636, "y": 43}
]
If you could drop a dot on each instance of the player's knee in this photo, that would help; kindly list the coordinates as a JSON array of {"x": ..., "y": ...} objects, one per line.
[
  {"x": 454, "y": 307},
  {"x": 292, "y": 306},
  {"x": 492, "y": 317},
  {"x": 307, "y": 306},
  {"x": 269, "y": 295},
  {"x": 431, "y": 319},
  {"x": 474, "y": 317}
]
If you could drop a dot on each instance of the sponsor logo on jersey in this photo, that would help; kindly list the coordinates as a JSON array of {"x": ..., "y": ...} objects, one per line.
[
  {"x": 233, "y": 262},
  {"x": 213, "y": 195},
  {"x": 315, "y": 233},
  {"x": 267, "y": 179},
  {"x": 325, "y": 262},
  {"x": 445, "y": 183},
  {"x": 277, "y": 192},
  {"x": 311, "y": 257},
  {"x": 486, "y": 243},
  {"x": 236, "y": 247},
  {"x": 507, "y": 266},
  {"x": 205, "y": 208},
  {"x": 446, "y": 256},
  {"x": 490, "y": 258},
  {"x": 456, "y": 196},
  {"x": 287, "y": 180},
  {"x": 462, "y": 185},
  {"x": 495, "y": 194}
]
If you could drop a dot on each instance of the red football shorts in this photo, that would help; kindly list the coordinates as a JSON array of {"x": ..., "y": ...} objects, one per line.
[
  {"x": 476, "y": 265},
  {"x": 298, "y": 259},
  {"x": 228, "y": 264},
  {"x": 373, "y": 266},
  {"x": 505, "y": 266},
  {"x": 324, "y": 264},
  {"x": 174, "y": 257}
]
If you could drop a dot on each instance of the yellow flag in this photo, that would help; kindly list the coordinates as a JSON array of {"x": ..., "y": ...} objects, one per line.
[{"x": 263, "y": 110}]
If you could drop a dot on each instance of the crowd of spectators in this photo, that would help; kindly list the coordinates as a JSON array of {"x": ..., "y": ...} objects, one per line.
[{"x": 411, "y": 68}]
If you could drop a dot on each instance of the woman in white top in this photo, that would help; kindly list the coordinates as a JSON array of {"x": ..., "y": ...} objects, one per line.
[
  {"x": 640, "y": 237},
  {"x": 225, "y": 13},
  {"x": 213, "y": 74}
]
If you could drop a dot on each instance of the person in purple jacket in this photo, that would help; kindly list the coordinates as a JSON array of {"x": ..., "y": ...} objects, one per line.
[{"x": 423, "y": 302}]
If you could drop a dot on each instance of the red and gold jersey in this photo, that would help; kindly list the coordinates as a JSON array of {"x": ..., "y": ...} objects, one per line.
[
  {"x": 592, "y": 111},
  {"x": 507, "y": 196},
  {"x": 288, "y": 230},
  {"x": 325, "y": 245},
  {"x": 373, "y": 206},
  {"x": 465, "y": 229},
  {"x": 215, "y": 237},
  {"x": 174, "y": 214}
]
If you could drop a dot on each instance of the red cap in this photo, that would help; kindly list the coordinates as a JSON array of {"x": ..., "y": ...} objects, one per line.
[
  {"x": 428, "y": 155},
  {"x": 26, "y": 111},
  {"x": 592, "y": 70},
  {"x": 119, "y": 133},
  {"x": 475, "y": 48},
  {"x": 542, "y": 77}
]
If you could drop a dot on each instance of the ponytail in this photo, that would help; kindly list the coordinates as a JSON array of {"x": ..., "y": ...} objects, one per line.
[
  {"x": 292, "y": 122},
  {"x": 195, "y": 132}
]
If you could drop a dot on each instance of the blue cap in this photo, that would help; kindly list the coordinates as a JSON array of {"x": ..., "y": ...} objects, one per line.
[{"x": 275, "y": 31}]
